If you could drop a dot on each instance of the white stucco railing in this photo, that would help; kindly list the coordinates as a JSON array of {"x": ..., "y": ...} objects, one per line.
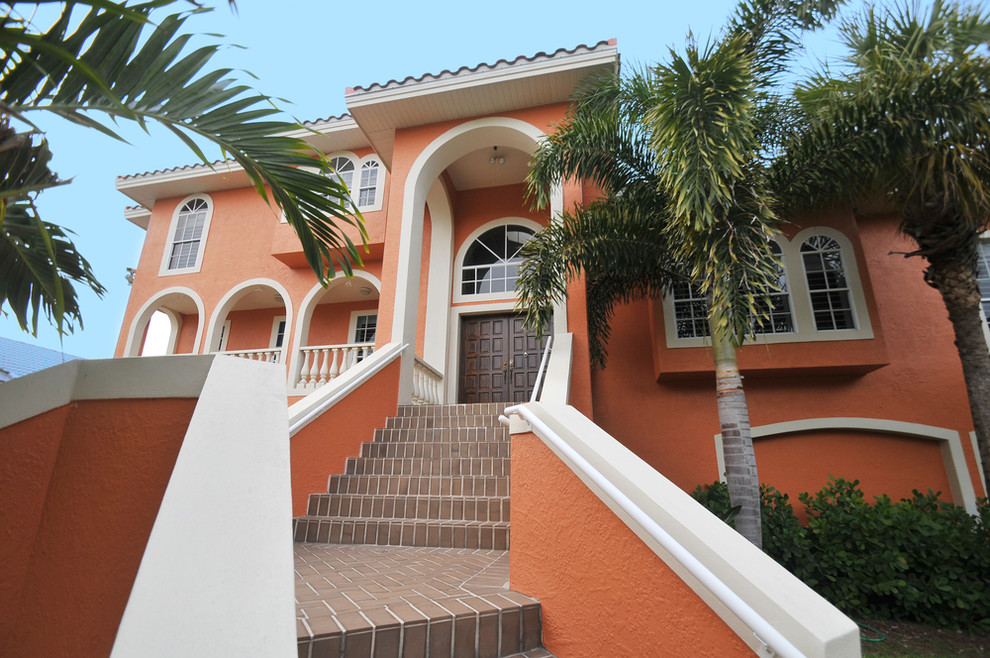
[
  {"x": 273, "y": 355},
  {"x": 320, "y": 364},
  {"x": 427, "y": 384},
  {"x": 770, "y": 609}
]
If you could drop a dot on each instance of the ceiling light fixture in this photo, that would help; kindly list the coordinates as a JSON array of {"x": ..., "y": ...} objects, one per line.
[{"x": 496, "y": 158}]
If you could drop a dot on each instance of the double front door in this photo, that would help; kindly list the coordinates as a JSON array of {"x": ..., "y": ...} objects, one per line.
[{"x": 499, "y": 359}]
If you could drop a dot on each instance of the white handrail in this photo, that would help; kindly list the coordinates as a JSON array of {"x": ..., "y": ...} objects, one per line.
[
  {"x": 302, "y": 413},
  {"x": 764, "y": 631}
]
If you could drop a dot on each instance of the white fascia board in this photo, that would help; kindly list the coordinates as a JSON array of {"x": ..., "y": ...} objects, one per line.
[
  {"x": 456, "y": 82},
  {"x": 140, "y": 216}
]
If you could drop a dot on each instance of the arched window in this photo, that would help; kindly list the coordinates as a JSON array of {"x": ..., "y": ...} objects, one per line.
[
  {"x": 184, "y": 251},
  {"x": 491, "y": 263},
  {"x": 691, "y": 307},
  {"x": 343, "y": 170},
  {"x": 828, "y": 286},
  {"x": 776, "y": 306},
  {"x": 368, "y": 188}
]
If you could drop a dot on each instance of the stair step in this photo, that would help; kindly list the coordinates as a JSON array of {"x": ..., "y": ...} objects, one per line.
[
  {"x": 478, "y": 508},
  {"x": 395, "y": 601},
  {"x": 434, "y": 450},
  {"x": 411, "y": 485},
  {"x": 444, "y": 466},
  {"x": 494, "y": 409},
  {"x": 403, "y": 532},
  {"x": 442, "y": 434},
  {"x": 415, "y": 422}
]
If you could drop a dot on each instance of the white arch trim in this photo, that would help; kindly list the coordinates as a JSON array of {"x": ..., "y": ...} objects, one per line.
[
  {"x": 228, "y": 301},
  {"x": 308, "y": 305},
  {"x": 445, "y": 149},
  {"x": 441, "y": 272},
  {"x": 132, "y": 347},
  {"x": 953, "y": 457}
]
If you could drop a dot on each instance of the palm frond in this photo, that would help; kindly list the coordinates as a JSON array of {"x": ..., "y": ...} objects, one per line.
[{"x": 38, "y": 266}]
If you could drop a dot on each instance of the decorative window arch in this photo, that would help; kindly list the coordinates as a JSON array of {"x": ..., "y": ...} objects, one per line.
[
  {"x": 825, "y": 302},
  {"x": 488, "y": 265},
  {"x": 364, "y": 178},
  {"x": 187, "y": 235}
]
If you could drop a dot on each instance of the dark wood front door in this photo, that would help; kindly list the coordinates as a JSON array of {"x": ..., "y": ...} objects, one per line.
[{"x": 499, "y": 359}]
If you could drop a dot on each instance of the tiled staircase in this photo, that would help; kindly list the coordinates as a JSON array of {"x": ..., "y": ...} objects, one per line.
[{"x": 429, "y": 501}]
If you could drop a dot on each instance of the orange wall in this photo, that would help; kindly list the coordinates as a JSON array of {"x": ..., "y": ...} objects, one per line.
[
  {"x": 331, "y": 321},
  {"x": 321, "y": 448},
  {"x": 80, "y": 488},
  {"x": 186, "y": 343},
  {"x": 243, "y": 236},
  {"x": 598, "y": 583},
  {"x": 670, "y": 423},
  {"x": 251, "y": 330}
]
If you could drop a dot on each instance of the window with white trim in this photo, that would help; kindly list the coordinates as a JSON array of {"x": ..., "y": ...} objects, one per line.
[
  {"x": 983, "y": 275},
  {"x": 491, "y": 264},
  {"x": 187, "y": 234},
  {"x": 691, "y": 307},
  {"x": 343, "y": 170},
  {"x": 365, "y": 326},
  {"x": 824, "y": 303},
  {"x": 278, "y": 332},
  {"x": 828, "y": 287},
  {"x": 368, "y": 187}
]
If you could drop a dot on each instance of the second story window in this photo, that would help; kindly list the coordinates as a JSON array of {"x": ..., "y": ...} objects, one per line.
[
  {"x": 343, "y": 170},
  {"x": 827, "y": 284},
  {"x": 187, "y": 235},
  {"x": 368, "y": 189}
]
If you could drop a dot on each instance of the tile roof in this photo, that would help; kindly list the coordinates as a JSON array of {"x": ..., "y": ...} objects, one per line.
[
  {"x": 483, "y": 67},
  {"x": 316, "y": 123},
  {"x": 18, "y": 359}
]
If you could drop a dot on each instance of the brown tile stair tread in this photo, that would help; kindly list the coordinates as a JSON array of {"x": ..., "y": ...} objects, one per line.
[
  {"x": 480, "y": 508},
  {"x": 400, "y": 601}
]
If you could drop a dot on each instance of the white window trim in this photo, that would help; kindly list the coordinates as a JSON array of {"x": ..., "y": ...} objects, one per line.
[
  {"x": 458, "y": 296},
  {"x": 274, "y": 335},
  {"x": 170, "y": 237},
  {"x": 379, "y": 184},
  {"x": 804, "y": 321},
  {"x": 352, "y": 326}
]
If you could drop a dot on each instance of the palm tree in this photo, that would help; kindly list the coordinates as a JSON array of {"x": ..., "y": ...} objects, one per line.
[
  {"x": 99, "y": 62},
  {"x": 908, "y": 127},
  {"x": 679, "y": 155}
]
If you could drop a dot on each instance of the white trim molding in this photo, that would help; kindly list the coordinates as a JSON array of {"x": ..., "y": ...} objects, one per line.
[
  {"x": 956, "y": 471},
  {"x": 229, "y": 301}
]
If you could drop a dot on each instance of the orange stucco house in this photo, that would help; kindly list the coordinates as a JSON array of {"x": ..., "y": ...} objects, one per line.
[{"x": 857, "y": 377}]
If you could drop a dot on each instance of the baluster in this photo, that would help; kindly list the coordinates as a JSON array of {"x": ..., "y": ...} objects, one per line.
[
  {"x": 314, "y": 370},
  {"x": 305, "y": 364},
  {"x": 333, "y": 367}
]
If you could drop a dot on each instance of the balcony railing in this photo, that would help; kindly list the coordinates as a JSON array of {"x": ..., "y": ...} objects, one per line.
[
  {"x": 273, "y": 355},
  {"x": 320, "y": 364},
  {"x": 427, "y": 384}
]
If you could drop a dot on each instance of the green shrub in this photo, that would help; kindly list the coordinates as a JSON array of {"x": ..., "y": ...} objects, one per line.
[{"x": 921, "y": 558}]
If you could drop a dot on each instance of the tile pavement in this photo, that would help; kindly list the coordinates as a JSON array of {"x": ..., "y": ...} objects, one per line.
[{"x": 403, "y": 601}]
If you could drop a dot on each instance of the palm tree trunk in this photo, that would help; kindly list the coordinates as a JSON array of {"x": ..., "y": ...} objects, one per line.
[
  {"x": 953, "y": 275},
  {"x": 737, "y": 440}
]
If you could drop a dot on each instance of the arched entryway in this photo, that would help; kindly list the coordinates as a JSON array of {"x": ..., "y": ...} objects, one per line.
[
  {"x": 482, "y": 163},
  {"x": 253, "y": 321},
  {"x": 337, "y": 328},
  {"x": 183, "y": 309}
]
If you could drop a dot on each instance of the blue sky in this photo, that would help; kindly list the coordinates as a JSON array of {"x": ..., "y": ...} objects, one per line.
[{"x": 308, "y": 52}]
